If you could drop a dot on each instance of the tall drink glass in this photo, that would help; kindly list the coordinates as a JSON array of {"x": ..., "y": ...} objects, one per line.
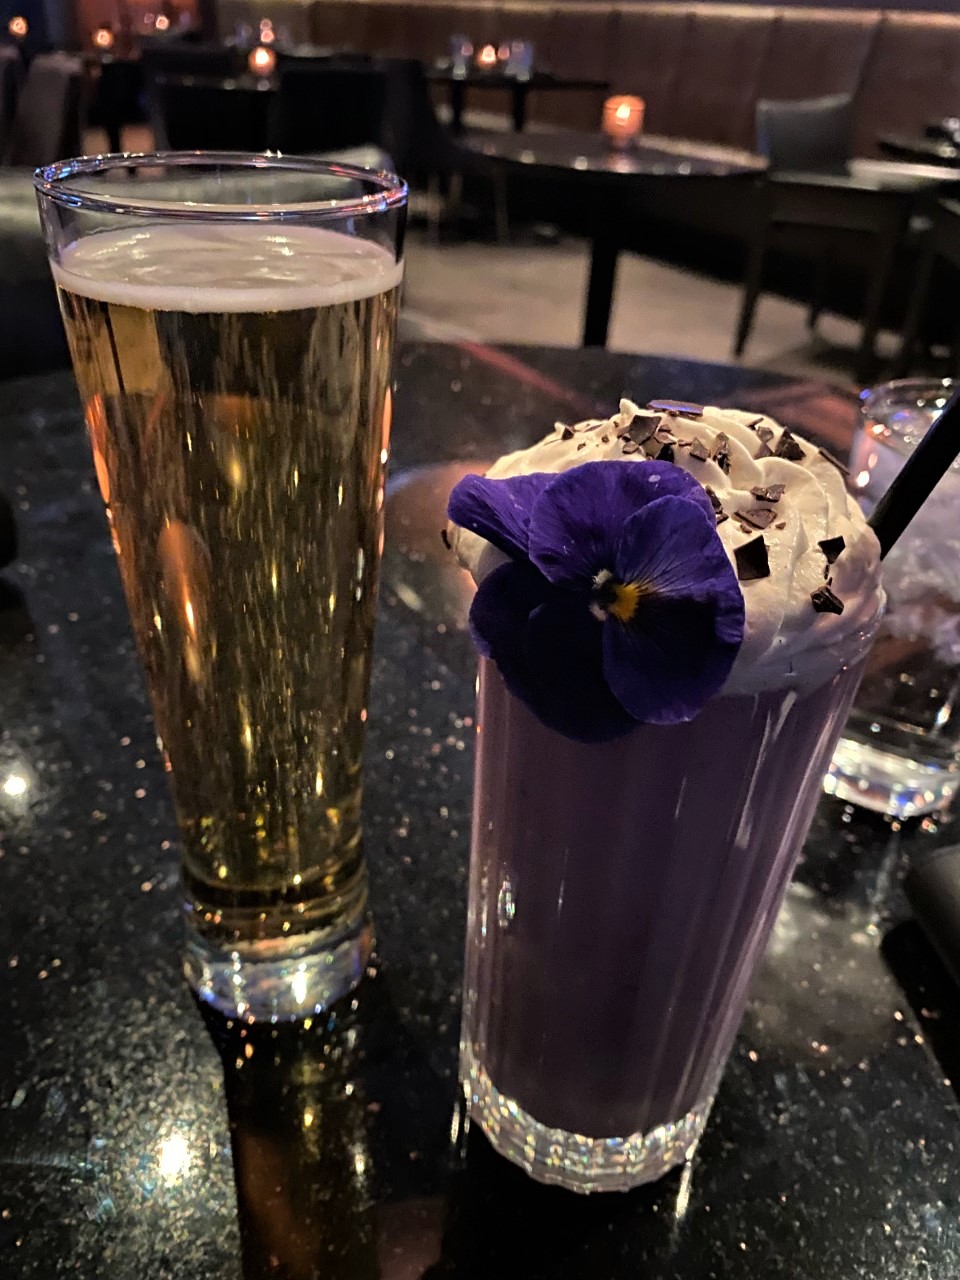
[
  {"x": 627, "y": 866},
  {"x": 231, "y": 322}
]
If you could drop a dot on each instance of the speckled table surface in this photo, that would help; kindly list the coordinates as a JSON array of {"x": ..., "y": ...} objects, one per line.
[{"x": 140, "y": 1139}]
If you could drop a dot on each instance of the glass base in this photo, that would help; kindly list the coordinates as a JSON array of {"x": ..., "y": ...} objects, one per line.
[
  {"x": 888, "y": 782},
  {"x": 279, "y": 980},
  {"x": 572, "y": 1160}
]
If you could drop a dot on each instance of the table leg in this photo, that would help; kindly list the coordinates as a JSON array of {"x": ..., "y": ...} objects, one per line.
[
  {"x": 457, "y": 99},
  {"x": 604, "y": 251},
  {"x": 520, "y": 106}
]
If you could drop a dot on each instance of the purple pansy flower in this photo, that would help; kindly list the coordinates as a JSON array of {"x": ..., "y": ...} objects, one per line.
[{"x": 618, "y": 604}]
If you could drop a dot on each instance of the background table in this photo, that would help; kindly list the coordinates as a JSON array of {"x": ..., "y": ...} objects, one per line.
[
  {"x": 519, "y": 88},
  {"x": 573, "y": 159},
  {"x": 139, "y": 1139}
]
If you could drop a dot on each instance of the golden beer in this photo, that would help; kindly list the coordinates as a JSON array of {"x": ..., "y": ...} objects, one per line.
[{"x": 240, "y": 427}]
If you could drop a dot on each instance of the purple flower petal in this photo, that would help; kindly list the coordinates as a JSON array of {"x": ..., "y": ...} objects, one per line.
[
  {"x": 548, "y": 648},
  {"x": 498, "y": 510},
  {"x": 677, "y": 651},
  {"x": 564, "y": 647},
  {"x": 577, "y": 519}
]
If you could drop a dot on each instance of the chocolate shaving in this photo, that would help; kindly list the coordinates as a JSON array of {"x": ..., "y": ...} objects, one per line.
[
  {"x": 765, "y": 433},
  {"x": 763, "y": 452},
  {"x": 826, "y": 601},
  {"x": 752, "y": 560},
  {"x": 664, "y": 453},
  {"x": 682, "y": 408},
  {"x": 445, "y": 539},
  {"x": 789, "y": 449},
  {"x": 640, "y": 430},
  {"x": 721, "y": 516},
  {"x": 581, "y": 445},
  {"x": 768, "y": 492},
  {"x": 566, "y": 432},
  {"x": 630, "y": 446},
  {"x": 752, "y": 426},
  {"x": 699, "y": 451},
  {"x": 834, "y": 462},
  {"x": 604, "y": 439},
  {"x": 781, "y": 525},
  {"x": 714, "y": 500},
  {"x": 721, "y": 453},
  {"x": 759, "y": 517},
  {"x": 831, "y": 547}
]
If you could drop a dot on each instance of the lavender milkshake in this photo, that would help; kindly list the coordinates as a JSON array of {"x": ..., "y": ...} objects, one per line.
[{"x": 622, "y": 890}]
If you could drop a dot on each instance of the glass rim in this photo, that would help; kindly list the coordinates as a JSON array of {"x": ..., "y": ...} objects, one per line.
[
  {"x": 50, "y": 181},
  {"x": 898, "y": 388}
]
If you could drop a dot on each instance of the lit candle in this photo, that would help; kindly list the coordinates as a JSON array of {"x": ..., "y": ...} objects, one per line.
[
  {"x": 103, "y": 39},
  {"x": 622, "y": 119},
  {"x": 18, "y": 27},
  {"x": 162, "y": 23},
  {"x": 487, "y": 57},
  {"x": 503, "y": 53},
  {"x": 267, "y": 34},
  {"x": 262, "y": 62}
]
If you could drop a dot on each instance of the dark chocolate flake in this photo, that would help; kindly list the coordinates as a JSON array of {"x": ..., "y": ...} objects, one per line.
[
  {"x": 664, "y": 453},
  {"x": 681, "y": 407},
  {"x": 604, "y": 439},
  {"x": 699, "y": 451},
  {"x": 752, "y": 426},
  {"x": 768, "y": 492},
  {"x": 581, "y": 445},
  {"x": 714, "y": 500},
  {"x": 831, "y": 547},
  {"x": 630, "y": 446},
  {"x": 789, "y": 449},
  {"x": 721, "y": 516},
  {"x": 765, "y": 433},
  {"x": 721, "y": 452},
  {"x": 566, "y": 433},
  {"x": 759, "y": 517},
  {"x": 763, "y": 452},
  {"x": 781, "y": 525},
  {"x": 752, "y": 560},
  {"x": 640, "y": 429},
  {"x": 445, "y": 539},
  {"x": 825, "y": 600}
]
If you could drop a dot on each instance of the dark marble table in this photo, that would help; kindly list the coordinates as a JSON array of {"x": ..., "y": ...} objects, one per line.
[
  {"x": 140, "y": 1139},
  {"x": 573, "y": 160}
]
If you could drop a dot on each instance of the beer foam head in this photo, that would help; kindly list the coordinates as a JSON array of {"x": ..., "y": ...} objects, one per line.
[
  {"x": 767, "y": 485},
  {"x": 229, "y": 267}
]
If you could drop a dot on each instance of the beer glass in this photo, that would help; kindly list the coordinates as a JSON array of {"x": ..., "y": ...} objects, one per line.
[{"x": 231, "y": 323}]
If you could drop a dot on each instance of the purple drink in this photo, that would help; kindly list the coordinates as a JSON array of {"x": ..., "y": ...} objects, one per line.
[
  {"x": 621, "y": 894},
  {"x": 673, "y": 610}
]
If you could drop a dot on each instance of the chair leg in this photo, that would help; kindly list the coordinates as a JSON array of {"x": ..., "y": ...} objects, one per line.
[
  {"x": 455, "y": 195},
  {"x": 916, "y": 309},
  {"x": 501, "y": 212},
  {"x": 887, "y": 240},
  {"x": 821, "y": 281},
  {"x": 433, "y": 206},
  {"x": 751, "y": 287}
]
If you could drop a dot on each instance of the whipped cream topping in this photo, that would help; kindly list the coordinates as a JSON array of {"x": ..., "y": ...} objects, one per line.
[{"x": 788, "y": 642}]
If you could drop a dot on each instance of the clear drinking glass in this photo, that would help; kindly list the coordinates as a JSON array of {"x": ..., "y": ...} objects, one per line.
[
  {"x": 621, "y": 894},
  {"x": 231, "y": 322},
  {"x": 899, "y": 751}
]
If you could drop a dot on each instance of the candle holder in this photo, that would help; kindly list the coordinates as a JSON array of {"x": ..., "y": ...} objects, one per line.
[{"x": 623, "y": 120}]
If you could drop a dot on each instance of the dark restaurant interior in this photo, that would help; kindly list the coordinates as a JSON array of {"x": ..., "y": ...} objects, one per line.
[{"x": 751, "y": 205}]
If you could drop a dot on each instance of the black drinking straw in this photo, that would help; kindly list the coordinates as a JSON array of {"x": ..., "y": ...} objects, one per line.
[{"x": 929, "y": 462}]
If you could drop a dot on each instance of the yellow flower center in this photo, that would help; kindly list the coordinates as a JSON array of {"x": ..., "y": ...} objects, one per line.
[{"x": 626, "y": 598}]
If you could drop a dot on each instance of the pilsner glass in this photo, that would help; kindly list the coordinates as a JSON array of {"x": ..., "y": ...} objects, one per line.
[{"x": 231, "y": 322}]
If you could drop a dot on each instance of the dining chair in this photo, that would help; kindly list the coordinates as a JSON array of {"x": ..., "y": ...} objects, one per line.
[
  {"x": 809, "y": 193},
  {"x": 202, "y": 113},
  {"x": 941, "y": 248},
  {"x": 48, "y": 124}
]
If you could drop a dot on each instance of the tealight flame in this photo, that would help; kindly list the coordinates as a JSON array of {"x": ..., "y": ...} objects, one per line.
[
  {"x": 18, "y": 27},
  {"x": 162, "y": 23},
  {"x": 103, "y": 38},
  {"x": 487, "y": 57},
  {"x": 262, "y": 62}
]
